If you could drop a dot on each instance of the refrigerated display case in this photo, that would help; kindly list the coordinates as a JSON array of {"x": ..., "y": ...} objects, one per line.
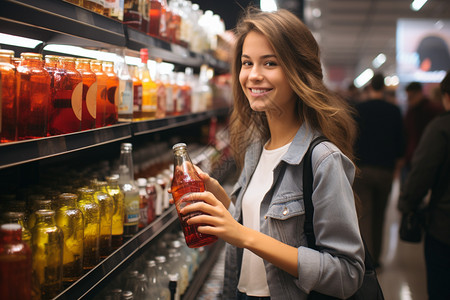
[{"x": 59, "y": 22}]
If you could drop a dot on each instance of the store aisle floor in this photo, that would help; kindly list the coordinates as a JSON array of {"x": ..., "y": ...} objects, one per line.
[{"x": 402, "y": 276}]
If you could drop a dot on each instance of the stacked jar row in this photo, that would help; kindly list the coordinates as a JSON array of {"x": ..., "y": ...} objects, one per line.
[{"x": 57, "y": 95}]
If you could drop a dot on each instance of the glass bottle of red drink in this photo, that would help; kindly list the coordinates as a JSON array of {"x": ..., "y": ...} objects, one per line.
[
  {"x": 15, "y": 264},
  {"x": 89, "y": 98},
  {"x": 154, "y": 17},
  {"x": 65, "y": 111},
  {"x": 186, "y": 181},
  {"x": 112, "y": 84},
  {"x": 8, "y": 103},
  {"x": 102, "y": 97},
  {"x": 33, "y": 87}
]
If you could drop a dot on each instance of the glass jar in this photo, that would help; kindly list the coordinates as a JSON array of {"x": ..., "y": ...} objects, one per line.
[
  {"x": 18, "y": 218},
  {"x": 112, "y": 88},
  {"x": 106, "y": 204},
  {"x": 91, "y": 213},
  {"x": 33, "y": 88},
  {"x": 8, "y": 104},
  {"x": 97, "y": 68},
  {"x": 15, "y": 264},
  {"x": 116, "y": 193},
  {"x": 89, "y": 98},
  {"x": 47, "y": 252},
  {"x": 71, "y": 221}
]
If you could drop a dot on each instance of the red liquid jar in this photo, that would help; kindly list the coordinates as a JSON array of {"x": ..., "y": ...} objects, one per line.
[
  {"x": 33, "y": 87},
  {"x": 65, "y": 111},
  {"x": 102, "y": 97},
  {"x": 112, "y": 92},
  {"x": 8, "y": 103},
  {"x": 89, "y": 98},
  {"x": 15, "y": 264},
  {"x": 185, "y": 181}
]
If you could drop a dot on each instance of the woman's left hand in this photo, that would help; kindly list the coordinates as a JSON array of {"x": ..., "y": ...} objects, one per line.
[{"x": 216, "y": 219}]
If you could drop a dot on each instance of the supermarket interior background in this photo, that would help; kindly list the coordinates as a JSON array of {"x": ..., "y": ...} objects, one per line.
[{"x": 189, "y": 60}]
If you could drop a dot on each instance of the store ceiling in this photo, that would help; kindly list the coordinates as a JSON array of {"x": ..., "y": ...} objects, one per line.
[{"x": 351, "y": 33}]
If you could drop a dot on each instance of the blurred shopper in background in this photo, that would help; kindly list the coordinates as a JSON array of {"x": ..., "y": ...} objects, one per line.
[
  {"x": 378, "y": 148},
  {"x": 419, "y": 113},
  {"x": 280, "y": 105},
  {"x": 430, "y": 170}
]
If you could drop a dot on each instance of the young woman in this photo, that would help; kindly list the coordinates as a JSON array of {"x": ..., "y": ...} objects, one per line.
[{"x": 280, "y": 106}]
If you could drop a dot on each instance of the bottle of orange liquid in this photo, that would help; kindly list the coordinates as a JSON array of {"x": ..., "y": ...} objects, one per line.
[
  {"x": 89, "y": 98},
  {"x": 112, "y": 85},
  {"x": 149, "y": 100},
  {"x": 33, "y": 87},
  {"x": 97, "y": 68},
  {"x": 137, "y": 92},
  {"x": 8, "y": 103},
  {"x": 185, "y": 181}
]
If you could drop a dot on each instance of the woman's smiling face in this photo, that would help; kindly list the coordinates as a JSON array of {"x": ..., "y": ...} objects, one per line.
[{"x": 262, "y": 78}]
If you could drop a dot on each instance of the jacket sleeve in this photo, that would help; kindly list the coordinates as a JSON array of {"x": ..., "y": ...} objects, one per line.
[
  {"x": 429, "y": 155},
  {"x": 337, "y": 269}
]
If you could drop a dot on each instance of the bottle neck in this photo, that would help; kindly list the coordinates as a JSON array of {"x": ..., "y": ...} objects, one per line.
[{"x": 126, "y": 168}]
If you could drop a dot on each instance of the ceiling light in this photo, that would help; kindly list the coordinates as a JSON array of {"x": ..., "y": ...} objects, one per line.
[
  {"x": 363, "y": 78},
  {"x": 379, "y": 60},
  {"x": 416, "y": 5},
  {"x": 13, "y": 40},
  {"x": 268, "y": 5}
]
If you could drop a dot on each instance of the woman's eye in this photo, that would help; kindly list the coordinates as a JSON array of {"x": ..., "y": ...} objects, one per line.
[
  {"x": 271, "y": 64},
  {"x": 246, "y": 63}
]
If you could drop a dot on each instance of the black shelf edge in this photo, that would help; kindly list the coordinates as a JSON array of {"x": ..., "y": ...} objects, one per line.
[
  {"x": 84, "y": 287},
  {"x": 22, "y": 152},
  {"x": 151, "y": 126},
  {"x": 63, "y": 22}
]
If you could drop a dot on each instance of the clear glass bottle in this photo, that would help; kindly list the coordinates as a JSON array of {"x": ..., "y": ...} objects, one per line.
[
  {"x": 8, "y": 103},
  {"x": 185, "y": 181},
  {"x": 156, "y": 192},
  {"x": 162, "y": 275},
  {"x": 89, "y": 98},
  {"x": 15, "y": 264},
  {"x": 112, "y": 88},
  {"x": 125, "y": 86},
  {"x": 141, "y": 292},
  {"x": 151, "y": 191},
  {"x": 47, "y": 241},
  {"x": 116, "y": 193},
  {"x": 91, "y": 213},
  {"x": 130, "y": 190},
  {"x": 149, "y": 100},
  {"x": 71, "y": 221},
  {"x": 97, "y": 68},
  {"x": 65, "y": 108},
  {"x": 33, "y": 88},
  {"x": 106, "y": 204},
  {"x": 156, "y": 289}
]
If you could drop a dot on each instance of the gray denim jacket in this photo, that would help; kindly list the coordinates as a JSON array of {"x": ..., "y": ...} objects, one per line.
[{"x": 336, "y": 270}]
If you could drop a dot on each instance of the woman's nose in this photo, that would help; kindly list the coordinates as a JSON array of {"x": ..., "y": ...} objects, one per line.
[{"x": 255, "y": 74}]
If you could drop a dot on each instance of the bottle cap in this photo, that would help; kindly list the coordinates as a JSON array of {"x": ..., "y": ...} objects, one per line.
[
  {"x": 141, "y": 182},
  {"x": 126, "y": 146},
  {"x": 179, "y": 145}
]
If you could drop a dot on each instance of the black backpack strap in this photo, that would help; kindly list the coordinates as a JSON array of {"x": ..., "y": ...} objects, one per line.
[{"x": 307, "y": 192}]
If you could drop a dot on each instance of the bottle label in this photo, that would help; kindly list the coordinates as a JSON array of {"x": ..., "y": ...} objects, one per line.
[
  {"x": 77, "y": 100},
  {"x": 91, "y": 100},
  {"x": 126, "y": 97}
]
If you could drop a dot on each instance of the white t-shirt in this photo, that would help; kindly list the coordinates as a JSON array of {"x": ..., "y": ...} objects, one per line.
[{"x": 253, "y": 280}]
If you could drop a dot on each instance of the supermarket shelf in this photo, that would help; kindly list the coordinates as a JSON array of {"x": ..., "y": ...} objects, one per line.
[
  {"x": 59, "y": 22},
  {"x": 90, "y": 284},
  {"x": 150, "y": 126},
  {"x": 22, "y": 152}
]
